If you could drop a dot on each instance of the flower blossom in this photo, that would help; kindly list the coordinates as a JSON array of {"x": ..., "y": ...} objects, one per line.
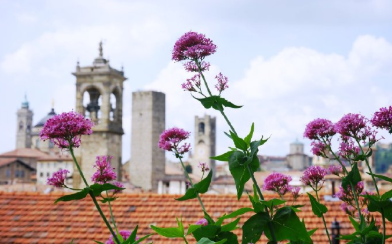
[
  {"x": 125, "y": 235},
  {"x": 348, "y": 149},
  {"x": 58, "y": 178},
  {"x": 104, "y": 171},
  {"x": 319, "y": 128},
  {"x": 295, "y": 192},
  {"x": 318, "y": 148},
  {"x": 191, "y": 66},
  {"x": 222, "y": 82},
  {"x": 192, "y": 83},
  {"x": 66, "y": 129},
  {"x": 357, "y": 127},
  {"x": 347, "y": 195},
  {"x": 202, "y": 222},
  {"x": 314, "y": 177},
  {"x": 383, "y": 119},
  {"x": 119, "y": 185},
  {"x": 335, "y": 169},
  {"x": 277, "y": 182},
  {"x": 193, "y": 46},
  {"x": 171, "y": 138},
  {"x": 204, "y": 167}
]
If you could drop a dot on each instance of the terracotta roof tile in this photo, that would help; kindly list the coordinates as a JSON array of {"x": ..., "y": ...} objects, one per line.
[
  {"x": 24, "y": 153},
  {"x": 33, "y": 218}
]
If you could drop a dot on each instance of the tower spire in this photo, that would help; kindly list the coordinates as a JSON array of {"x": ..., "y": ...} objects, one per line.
[{"x": 100, "y": 49}]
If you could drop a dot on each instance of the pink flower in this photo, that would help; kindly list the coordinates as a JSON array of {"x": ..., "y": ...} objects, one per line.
[
  {"x": 277, "y": 182},
  {"x": 204, "y": 167},
  {"x": 222, "y": 82},
  {"x": 125, "y": 235},
  {"x": 193, "y": 46},
  {"x": 104, "y": 171},
  {"x": 118, "y": 184},
  {"x": 319, "y": 128},
  {"x": 295, "y": 192},
  {"x": 335, "y": 169},
  {"x": 347, "y": 195},
  {"x": 314, "y": 177},
  {"x": 191, "y": 66},
  {"x": 348, "y": 209},
  {"x": 66, "y": 129},
  {"x": 383, "y": 119},
  {"x": 202, "y": 222},
  {"x": 348, "y": 149},
  {"x": 318, "y": 148},
  {"x": 192, "y": 83},
  {"x": 170, "y": 140},
  {"x": 58, "y": 178}
]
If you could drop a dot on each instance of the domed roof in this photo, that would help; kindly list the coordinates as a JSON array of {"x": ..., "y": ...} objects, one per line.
[
  {"x": 297, "y": 142},
  {"x": 44, "y": 119}
]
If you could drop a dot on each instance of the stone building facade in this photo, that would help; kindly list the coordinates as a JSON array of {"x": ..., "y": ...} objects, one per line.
[
  {"x": 99, "y": 97},
  {"x": 147, "y": 163},
  {"x": 24, "y": 127},
  {"x": 297, "y": 159}
]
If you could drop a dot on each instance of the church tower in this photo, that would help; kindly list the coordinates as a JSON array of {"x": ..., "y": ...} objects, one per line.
[
  {"x": 147, "y": 164},
  {"x": 24, "y": 126},
  {"x": 297, "y": 159},
  {"x": 205, "y": 141},
  {"x": 99, "y": 97}
]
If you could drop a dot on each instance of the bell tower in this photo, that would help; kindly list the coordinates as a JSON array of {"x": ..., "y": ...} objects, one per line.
[
  {"x": 204, "y": 145},
  {"x": 99, "y": 97},
  {"x": 24, "y": 126}
]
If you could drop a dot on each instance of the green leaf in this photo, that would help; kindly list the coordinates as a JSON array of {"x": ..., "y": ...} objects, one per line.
[
  {"x": 208, "y": 241},
  {"x": 201, "y": 187},
  {"x": 383, "y": 177},
  {"x": 208, "y": 218},
  {"x": 273, "y": 202},
  {"x": 142, "y": 238},
  {"x": 311, "y": 232},
  {"x": 238, "y": 171},
  {"x": 231, "y": 226},
  {"x": 132, "y": 237},
  {"x": 354, "y": 223},
  {"x": 238, "y": 142},
  {"x": 208, "y": 231},
  {"x": 353, "y": 177},
  {"x": 387, "y": 195},
  {"x": 248, "y": 138},
  {"x": 317, "y": 208},
  {"x": 224, "y": 157},
  {"x": 107, "y": 199},
  {"x": 171, "y": 232},
  {"x": 238, "y": 212},
  {"x": 257, "y": 205},
  {"x": 230, "y": 237},
  {"x": 98, "y": 188},
  {"x": 192, "y": 228},
  {"x": 228, "y": 104},
  {"x": 254, "y": 227},
  {"x": 75, "y": 196},
  {"x": 212, "y": 101},
  {"x": 287, "y": 226},
  {"x": 98, "y": 242}
]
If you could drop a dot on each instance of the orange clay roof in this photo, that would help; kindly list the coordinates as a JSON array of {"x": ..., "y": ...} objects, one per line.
[
  {"x": 33, "y": 218},
  {"x": 24, "y": 153}
]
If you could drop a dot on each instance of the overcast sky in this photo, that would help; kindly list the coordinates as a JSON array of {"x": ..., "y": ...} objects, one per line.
[{"x": 288, "y": 62}]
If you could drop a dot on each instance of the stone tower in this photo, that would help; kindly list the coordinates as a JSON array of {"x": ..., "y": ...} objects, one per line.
[
  {"x": 205, "y": 141},
  {"x": 99, "y": 96},
  {"x": 147, "y": 164},
  {"x": 297, "y": 159},
  {"x": 24, "y": 126}
]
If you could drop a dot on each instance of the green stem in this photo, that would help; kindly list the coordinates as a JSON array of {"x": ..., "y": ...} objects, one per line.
[
  {"x": 104, "y": 218},
  {"x": 335, "y": 156},
  {"x": 322, "y": 215},
  {"x": 190, "y": 181},
  {"x": 111, "y": 213},
  {"x": 370, "y": 169},
  {"x": 77, "y": 165},
  {"x": 202, "y": 76},
  {"x": 185, "y": 240},
  {"x": 93, "y": 197},
  {"x": 383, "y": 225}
]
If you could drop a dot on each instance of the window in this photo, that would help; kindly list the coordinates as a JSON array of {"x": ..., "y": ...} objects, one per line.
[
  {"x": 41, "y": 174},
  {"x": 8, "y": 173},
  {"x": 22, "y": 174},
  {"x": 21, "y": 125},
  {"x": 47, "y": 174},
  {"x": 17, "y": 173},
  {"x": 201, "y": 128}
]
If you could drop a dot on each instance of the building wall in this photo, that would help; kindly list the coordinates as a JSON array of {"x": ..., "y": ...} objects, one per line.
[
  {"x": 45, "y": 169},
  {"x": 24, "y": 127},
  {"x": 147, "y": 164},
  {"x": 15, "y": 172}
]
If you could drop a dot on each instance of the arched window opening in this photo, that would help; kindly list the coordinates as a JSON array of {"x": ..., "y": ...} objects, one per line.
[
  {"x": 113, "y": 107},
  {"x": 21, "y": 125},
  {"x": 92, "y": 101},
  {"x": 201, "y": 128}
]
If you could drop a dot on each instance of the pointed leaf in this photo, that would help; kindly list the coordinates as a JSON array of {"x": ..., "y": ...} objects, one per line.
[
  {"x": 204, "y": 184},
  {"x": 192, "y": 228},
  {"x": 354, "y": 223},
  {"x": 75, "y": 196},
  {"x": 253, "y": 228},
  {"x": 383, "y": 177},
  {"x": 228, "y": 104},
  {"x": 208, "y": 231},
  {"x": 208, "y": 241},
  {"x": 98, "y": 242},
  {"x": 142, "y": 238},
  {"x": 98, "y": 188},
  {"x": 273, "y": 202},
  {"x": 189, "y": 194},
  {"x": 231, "y": 226},
  {"x": 387, "y": 195},
  {"x": 353, "y": 177},
  {"x": 317, "y": 208},
  {"x": 170, "y": 232},
  {"x": 248, "y": 138},
  {"x": 238, "y": 142},
  {"x": 224, "y": 157}
]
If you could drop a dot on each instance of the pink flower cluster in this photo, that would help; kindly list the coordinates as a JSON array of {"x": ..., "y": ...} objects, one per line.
[
  {"x": 104, "y": 171},
  {"x": 58, "y": 178},
  {"x": 335, "y": 169},
  {"x": 191, "y": 66},
  {"x": 192, "y": 83},
  {"x": 118, "y": 184},
  {"x": 193, "y": 46},
  {"x": 314, "y": 177},
  {"x": 383, "y": 119},
  {"x": 170, "y": 140},
  {"x": 222, "y": 82},
  {"x": 204, "y": 167},
  {"x": 318, "y": 148},
  {"x": 202, "y": 222},
  {"x": 319, "y": 128},
  {"x": 277, "y": 182},
  {"x": 348, "y": 149},
  {"x": 66, "y": 129},
  {"x": 125, "y": 235},
  {"x": 295, "y": 192},
  {"x": 357, "y": 127}
]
